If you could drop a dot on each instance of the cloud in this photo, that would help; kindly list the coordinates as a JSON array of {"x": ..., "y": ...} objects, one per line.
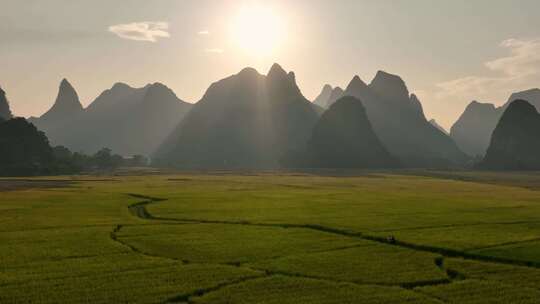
[
  {"x": 204, "y": 32},
  {"x": 216, "y": 50},
  {"x": 524, "y": 59},
  {"x": 148, "y": 31},
  {"x": 518, "y": 70}
]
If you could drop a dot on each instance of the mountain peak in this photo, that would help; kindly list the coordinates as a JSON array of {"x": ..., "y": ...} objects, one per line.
[
  {"x": 518, "y": 108},
  {"x": 385, "y": 75},
  {"x": 531, "y": 95},
  {"x": 389, "y": 86},
  {"x": 275, "y": 70},
  {"x": 292, "y": 76},
  {"x": 248, "y": 73},
  {"x": 66, "y": 104},
  {"x": 121, "y": 86},
  {"x": 67, "y": 96},
  {"x": 277, "y": 74},
  {"x": 344, "y": 138},
  {"x": 160, "y": 92},
  {"x": 356, "y": 84},
  {"x": 66, "y": 86},
  {"x": 323, "y": 97},
  {"x": 280, "y": 82},
  {"x": 158, "y": 85},
  {"x": 474, "y": 105},
  {"x": 157, "y": 88},
  {"x": 337, "y": 93}
]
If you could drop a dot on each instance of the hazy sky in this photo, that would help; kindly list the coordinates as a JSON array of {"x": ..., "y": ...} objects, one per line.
[{"x": 448, "y": 52}]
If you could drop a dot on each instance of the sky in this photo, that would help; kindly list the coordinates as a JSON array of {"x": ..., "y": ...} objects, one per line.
[{"x": 448, "y": 52}]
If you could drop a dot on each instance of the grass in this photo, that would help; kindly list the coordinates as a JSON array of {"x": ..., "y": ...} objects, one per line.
[
  {"x": 367, "y": 264},
  {"x": 219, "y": 243},
  {"x": 272, "y": 238},
  {"x": 475, "y": 291},
  {"x": 284, "y": 290},
  {"x": 509, "y": 274},
  {"x": 525, "y": 251}
]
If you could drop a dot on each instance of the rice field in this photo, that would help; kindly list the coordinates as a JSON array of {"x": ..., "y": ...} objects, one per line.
[{"x": 378, "y": 237}]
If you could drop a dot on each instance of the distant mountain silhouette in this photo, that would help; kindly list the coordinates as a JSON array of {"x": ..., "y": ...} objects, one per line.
[
  {"x": 532, "y": 96},
  {"x": 23, "y": 149},
  {"x": 343, "y": 138},
  {"x": 515, "y": 144},
  {"x": 337, "y": 93},
  {"x": 324, "y": 96},
  {"x": 472, "y": 131},
  {"x": 247, "y": 120},
  {"x": 399, "y": 121},
  {"x": 434, "y": 123},
  {"x": 67, "y": 105},
  {"x": 328, "y": 96},
  {"x": 127, "y": 120},
  {"x": 5, "y": 112}
]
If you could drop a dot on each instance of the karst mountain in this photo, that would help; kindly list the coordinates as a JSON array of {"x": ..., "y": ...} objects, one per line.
[
  {"x": 343, "y": 138},
  {"x": 247, "y": 120},
  {"x": 515, "y": 144},
  {"x": 472, "y": 131},
  {"x": 328, "y": 96},
  {"x": 127, "y": 120},
  {"x": 398, "y": 120}
]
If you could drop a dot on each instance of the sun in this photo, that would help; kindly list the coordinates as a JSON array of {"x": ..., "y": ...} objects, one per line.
[{"x": 257, "y": 30}]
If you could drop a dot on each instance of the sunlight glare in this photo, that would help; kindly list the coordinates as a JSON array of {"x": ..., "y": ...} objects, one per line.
[{"x": 257, "y": 30}]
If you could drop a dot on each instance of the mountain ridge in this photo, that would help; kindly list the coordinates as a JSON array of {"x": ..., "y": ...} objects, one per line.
[
  {"x": 125, "y": 119},
  {"x": 473, "y": 129}
]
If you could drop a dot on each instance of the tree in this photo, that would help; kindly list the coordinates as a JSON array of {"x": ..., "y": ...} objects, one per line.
[{"x": 23, "y": 149}]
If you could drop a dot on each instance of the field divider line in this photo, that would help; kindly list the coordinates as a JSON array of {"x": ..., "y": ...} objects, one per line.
[
  {"x": 452, "y": 253},
  {"x": 114, "y": 238},
  {"x": 456, "y": 226}
]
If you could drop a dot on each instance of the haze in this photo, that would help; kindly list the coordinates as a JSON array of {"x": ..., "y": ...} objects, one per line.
[{"x": 448, "y": 52}]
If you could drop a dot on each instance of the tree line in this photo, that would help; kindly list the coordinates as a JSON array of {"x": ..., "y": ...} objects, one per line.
[{"x": 26, "y": 151}]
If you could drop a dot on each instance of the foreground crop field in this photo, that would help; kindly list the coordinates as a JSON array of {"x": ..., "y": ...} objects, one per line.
[{"x": 271, "y": 238}]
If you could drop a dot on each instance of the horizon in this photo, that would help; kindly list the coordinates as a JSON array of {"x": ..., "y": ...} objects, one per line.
[{"x": 187, "y": 46}]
